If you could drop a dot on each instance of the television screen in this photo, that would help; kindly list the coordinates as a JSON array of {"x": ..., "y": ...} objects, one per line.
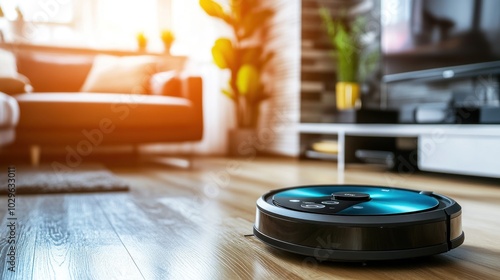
[{"x": 433, "y": 39}]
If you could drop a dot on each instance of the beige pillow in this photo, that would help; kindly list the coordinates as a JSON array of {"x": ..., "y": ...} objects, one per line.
[{"x": 114, "y": 74}]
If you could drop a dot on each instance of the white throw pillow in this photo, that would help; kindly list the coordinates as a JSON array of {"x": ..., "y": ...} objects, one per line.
[{"x": 114, "y": 74}]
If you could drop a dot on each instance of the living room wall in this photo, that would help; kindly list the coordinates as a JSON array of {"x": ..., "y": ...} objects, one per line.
[{"x": 281, "y": 113}]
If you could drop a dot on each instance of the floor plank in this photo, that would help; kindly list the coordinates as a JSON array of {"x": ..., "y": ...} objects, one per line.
[
  {"x": 25, "y": 237},
  {"x": 75, "y": 241},
  {"x": 164, "y": 235}
]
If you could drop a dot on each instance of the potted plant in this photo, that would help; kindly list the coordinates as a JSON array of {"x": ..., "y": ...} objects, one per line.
[
  {"x": 245, "y": 57},
  {"x": 168, "y": 38},
  {"x": 142, "y": 41},
  {"x": 345, "y": 37}
]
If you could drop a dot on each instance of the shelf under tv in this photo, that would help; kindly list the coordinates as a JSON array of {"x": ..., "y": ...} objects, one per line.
[{"x": 448, "y": 148}]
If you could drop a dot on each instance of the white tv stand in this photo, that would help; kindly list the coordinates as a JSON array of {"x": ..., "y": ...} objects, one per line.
[{"x": 449, "y": 148}]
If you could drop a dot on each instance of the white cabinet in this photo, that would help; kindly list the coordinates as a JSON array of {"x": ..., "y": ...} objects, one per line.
[
  {"x": 460, "y": 154},
  {"x": 458, "y": 149}
]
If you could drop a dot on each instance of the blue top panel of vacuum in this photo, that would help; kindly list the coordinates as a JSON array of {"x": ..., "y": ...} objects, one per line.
[{"x": 354, "y": 200}]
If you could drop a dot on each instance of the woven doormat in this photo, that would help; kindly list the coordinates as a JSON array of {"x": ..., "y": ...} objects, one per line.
[{"x": 45, "y": 180}]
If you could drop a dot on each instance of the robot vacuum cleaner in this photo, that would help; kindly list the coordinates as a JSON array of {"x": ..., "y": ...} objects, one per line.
[{"x": 358, "y": 223}]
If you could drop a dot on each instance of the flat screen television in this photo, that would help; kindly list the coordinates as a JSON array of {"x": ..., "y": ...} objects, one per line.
[{"x": 439, "y": 39}]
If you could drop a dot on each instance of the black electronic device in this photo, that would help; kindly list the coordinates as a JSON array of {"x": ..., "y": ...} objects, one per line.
[
  {"x": 358, "y": 223},
  {"x": 439, "y": 39}
]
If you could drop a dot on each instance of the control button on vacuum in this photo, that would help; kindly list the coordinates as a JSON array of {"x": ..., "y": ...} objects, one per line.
[
  {"x": 312, "y": 206},
  {"x": 330, "y": 202},
  {"x": 294, "y": 200},
  {"x": 350, "y": 196},
  {"x": 426, "y": 193}
]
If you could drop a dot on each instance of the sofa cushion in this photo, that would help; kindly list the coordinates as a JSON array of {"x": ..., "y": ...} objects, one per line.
[
  {"x": 113, "y": 74},
  {"x": 88, "y": 110},
  {"x": 54, "y": 72}
]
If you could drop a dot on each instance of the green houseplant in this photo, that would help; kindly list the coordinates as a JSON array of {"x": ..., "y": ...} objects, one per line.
[
  {"x": 345, "y": 38},
  {"x": 243, "y": 55}
]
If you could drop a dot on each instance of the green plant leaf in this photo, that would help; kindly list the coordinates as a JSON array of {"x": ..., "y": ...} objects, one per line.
[
  {"x": 346, "y": 44},
  {"x": 214, "y": 9},
  {"x": 368, "y": 62},
  {"x": 244, "y": 55},
  {"x": 223, "y": 53},
  {"x": 228, "y": 93},
  {"x": 248, "y": 80},
  {"x": 342, "y": 39},
  {"x": 328, "y": 23},
  {"x": 348, "y": 61}
]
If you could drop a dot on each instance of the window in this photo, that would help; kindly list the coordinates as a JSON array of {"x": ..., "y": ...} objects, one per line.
[
  {"x": 114, "y": 24},
  {"x": 89, "y": 23},
  {"x": 40, "y": 11}
]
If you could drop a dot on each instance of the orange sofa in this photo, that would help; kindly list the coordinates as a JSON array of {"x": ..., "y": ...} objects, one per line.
[{"x": 107, "y": 100}]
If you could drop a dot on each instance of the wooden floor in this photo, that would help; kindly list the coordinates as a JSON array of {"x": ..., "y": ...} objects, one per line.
[{"x": 190, "y": 224}]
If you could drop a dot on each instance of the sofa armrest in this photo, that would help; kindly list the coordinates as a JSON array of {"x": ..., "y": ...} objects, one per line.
[
  {"x": 9, "y": 111},
  {"x": 15, "y": 85},
  {"x": 171, "y": 83},
  {"x": 192, "y": 89},
  {"x": 167, "y": 83}
]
